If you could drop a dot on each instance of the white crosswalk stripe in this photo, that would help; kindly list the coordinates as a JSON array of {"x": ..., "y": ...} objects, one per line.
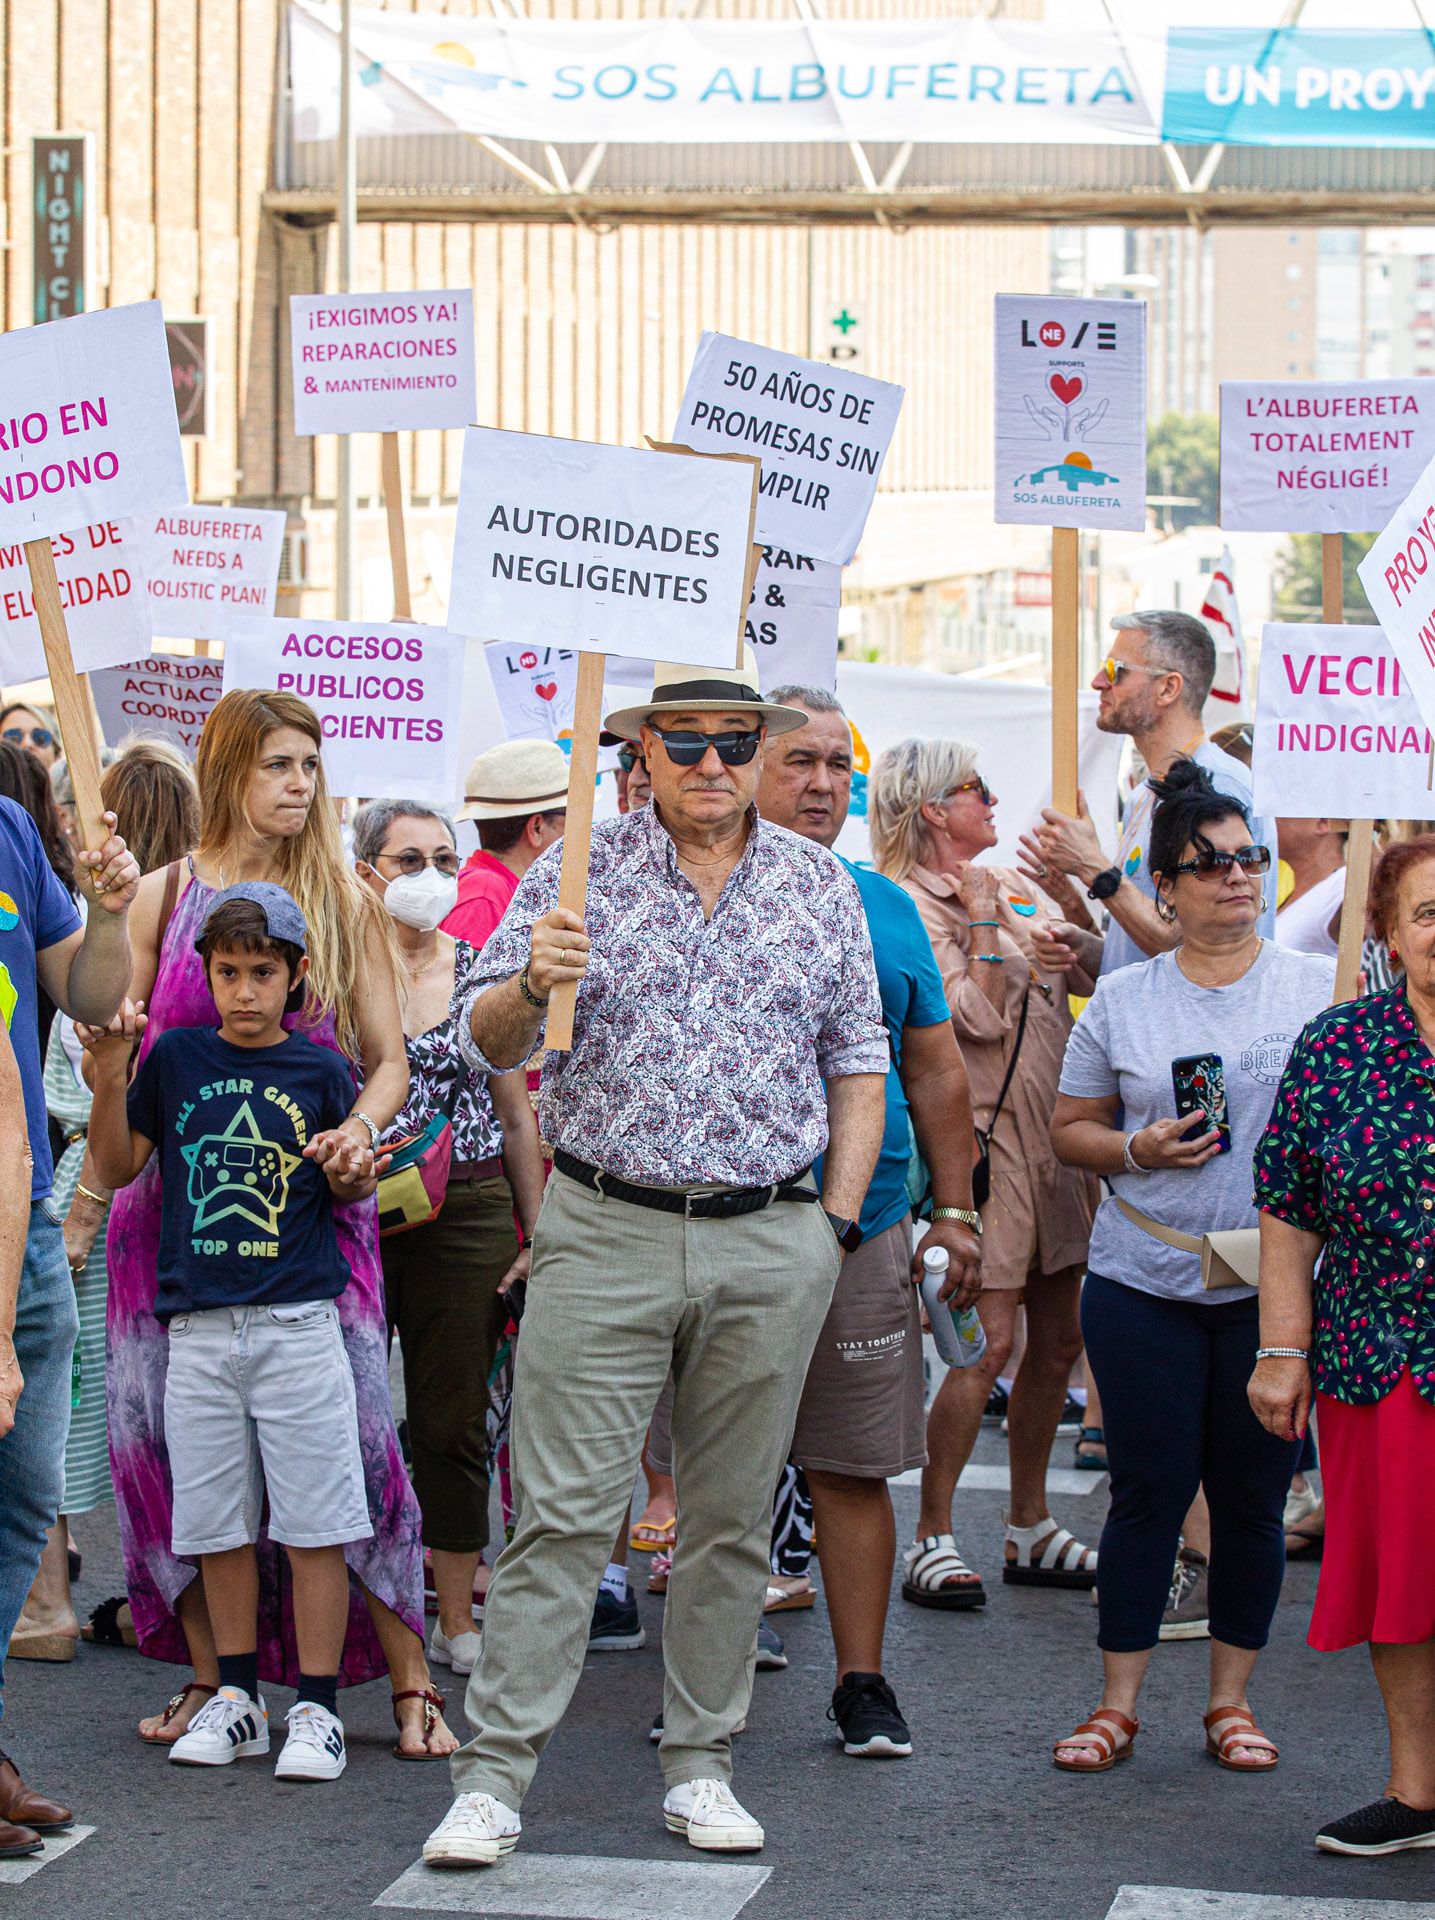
[
  {"x": 557, "y": 1886},
  {"x": 13, "y": 1872},
  {"x": 1194, "y": 1903}
]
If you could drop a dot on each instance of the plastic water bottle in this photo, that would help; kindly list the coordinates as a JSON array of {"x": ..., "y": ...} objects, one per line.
[{"x": 958, "y": 1334}]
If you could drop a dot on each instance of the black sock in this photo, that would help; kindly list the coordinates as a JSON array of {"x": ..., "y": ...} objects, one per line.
[
  {"x": 321, "y": 1688},
  {"x": 240, "y": 1670}
]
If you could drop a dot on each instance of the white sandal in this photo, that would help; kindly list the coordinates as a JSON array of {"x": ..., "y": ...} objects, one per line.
[
  {"x": 1048, "y": 1556},
  {"x": 934, "y": 1574}
]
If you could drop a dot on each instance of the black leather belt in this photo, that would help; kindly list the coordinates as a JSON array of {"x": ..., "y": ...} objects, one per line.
[{"x": 693, "y": 1206}]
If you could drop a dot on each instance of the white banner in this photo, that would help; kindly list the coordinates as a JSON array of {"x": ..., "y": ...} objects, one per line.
[
  {"x": 1337, "y": 732},
  {"x": 821, "y": 433},
  {"x": 792, "y": 620},
  {"x": 164, "y": 695},
  {"x": 207, "y": 567},
  {"x": 1398, "y": 575},
  {"x": 388, "y": 698},
  {"x": 606, "y": 549},
  {"x": 1321, "y": 456},
  {"x": 101, "y": 590},
  {"x": 536, "y": 688},
  {"x": 89, "y": 432},
  {"x": 675, "y": 81},
  {"x": 1070, "y": 412},
  {"x": 380, "y": 362}
]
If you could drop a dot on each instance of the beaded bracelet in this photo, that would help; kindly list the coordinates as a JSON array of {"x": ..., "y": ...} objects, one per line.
[
  {"x": 1283, "y": 1353},
  {"x": 998, "y": 959},
  {"x": 984, "y": 923},
  {"x": 529, "y": 995}
]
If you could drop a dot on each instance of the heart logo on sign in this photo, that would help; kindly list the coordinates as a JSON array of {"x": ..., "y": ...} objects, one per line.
[
  {"x": 1066, "y": 387},
  {"x": 546, "y": 689}
]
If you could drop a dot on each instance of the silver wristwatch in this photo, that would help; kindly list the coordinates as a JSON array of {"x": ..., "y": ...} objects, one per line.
[{"x": 966, "y": 1215}]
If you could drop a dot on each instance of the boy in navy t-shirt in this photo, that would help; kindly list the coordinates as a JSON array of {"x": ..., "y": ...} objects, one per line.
[{"x": 259, "y": 1394}]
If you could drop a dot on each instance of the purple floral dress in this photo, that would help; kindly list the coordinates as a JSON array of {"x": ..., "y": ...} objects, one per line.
[{"x": 391, "y": 1564}]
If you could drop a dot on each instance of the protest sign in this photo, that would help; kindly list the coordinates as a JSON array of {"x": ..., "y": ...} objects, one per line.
[
  {"x": 207, "y": 567},
  {"x": 1321, "y": 456},
  {"x": 388, "y": 698},
  {"x": 1337, "y": 729},
  {"x": 375, "y": 363},
  {"x": 602, "y": 549},
  {"x": 1398, "y": 575},
  {"x": 536, "y": 688},
  {"x": 102, "y": 594},
  {"x": 792, "y": 620},
  {"x": 164, "y": 695},
  {"x": 821, "y": 433}
]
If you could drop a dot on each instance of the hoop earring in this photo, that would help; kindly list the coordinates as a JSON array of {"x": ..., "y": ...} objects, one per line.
[
  {"x": 1262, "y": 907},
  {"x": 1165, "y": 911}
]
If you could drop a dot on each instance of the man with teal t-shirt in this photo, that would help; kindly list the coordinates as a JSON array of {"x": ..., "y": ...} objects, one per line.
[{"x": 861, "y": 1419}]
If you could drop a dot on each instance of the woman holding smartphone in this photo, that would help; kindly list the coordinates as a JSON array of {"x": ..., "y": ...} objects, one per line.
[{"x": 1168, "y": 1083}]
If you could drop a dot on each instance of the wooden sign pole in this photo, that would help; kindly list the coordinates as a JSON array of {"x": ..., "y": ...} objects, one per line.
[
  {"x": 577, "y": 831},
  {"x": 1360, "y": 834},
  {"x": 70, "y": 693},
  {"x": 1065, "y": 664},
  {"x": 393, "y": 486}
]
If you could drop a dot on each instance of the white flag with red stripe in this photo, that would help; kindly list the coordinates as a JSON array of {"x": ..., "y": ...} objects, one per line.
[{"x": 1230, "y": 691}]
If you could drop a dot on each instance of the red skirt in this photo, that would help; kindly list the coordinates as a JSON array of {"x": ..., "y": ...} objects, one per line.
[{"x": 1377, "y": 1574}]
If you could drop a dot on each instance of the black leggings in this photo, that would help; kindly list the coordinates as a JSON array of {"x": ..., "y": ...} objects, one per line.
[{"x": 1172, "y": 1378}]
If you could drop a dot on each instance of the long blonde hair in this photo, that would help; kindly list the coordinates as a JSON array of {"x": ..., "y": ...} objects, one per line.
[
  {"x": 343, "y": 914},
  {"x": 904, "y": 779}
]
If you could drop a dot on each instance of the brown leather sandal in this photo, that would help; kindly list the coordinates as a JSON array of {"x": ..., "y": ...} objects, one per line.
[
  {"x": 1096, "y": 1735},
  {"x": 172, "y": 1707},
  {"x": 1239, "y": 1730},
  {"x": 433, "y": 1706}
]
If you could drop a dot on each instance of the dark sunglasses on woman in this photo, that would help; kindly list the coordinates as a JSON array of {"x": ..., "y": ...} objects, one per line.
[
  {"x": 1209, "y": 861},
  {"x": 734, "y": 749}
]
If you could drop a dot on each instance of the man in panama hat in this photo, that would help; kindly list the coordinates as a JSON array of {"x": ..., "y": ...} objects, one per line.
[
  {"x": 728, "y": 1032},
  {"x": 517, "y": 794}
]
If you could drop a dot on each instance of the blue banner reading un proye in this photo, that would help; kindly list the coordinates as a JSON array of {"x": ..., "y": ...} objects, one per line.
[{"x": 1300, "y": 87}]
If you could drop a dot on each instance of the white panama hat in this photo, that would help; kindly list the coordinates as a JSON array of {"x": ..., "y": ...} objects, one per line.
[{"x": 514, "y": 778}]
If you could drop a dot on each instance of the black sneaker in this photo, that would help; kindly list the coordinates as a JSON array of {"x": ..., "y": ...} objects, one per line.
[
  {"x": 996, "y": 1406},
  {"x": 865, "y": 1709},
  {"x": 1073, "y": 1414},
  {"x": 615, "y": 1626},
  {"x": 771, "y": 1654},
  {"x": 1385, "y": 1826}
]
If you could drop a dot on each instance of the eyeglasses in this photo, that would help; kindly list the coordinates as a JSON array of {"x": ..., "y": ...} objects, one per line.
[
  {"x": 38, "y": 736},
  {"x": 410, "y": 862},
  {"x": 977, "y": 786},
  {"x": 1113, "y": 669},
  {"x": 1208, "y": 861},
  {"x": 734, "y": 749}
]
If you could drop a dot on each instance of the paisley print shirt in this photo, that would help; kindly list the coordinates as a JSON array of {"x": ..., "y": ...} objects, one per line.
[
  {"x": 441, "y": 1079},
  {"x": 700, "y": 1047},
  {"x": 1350, "y": 1154}
]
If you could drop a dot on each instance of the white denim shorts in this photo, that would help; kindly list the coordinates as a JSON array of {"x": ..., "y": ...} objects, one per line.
[{"x": 263, "y": 1398}]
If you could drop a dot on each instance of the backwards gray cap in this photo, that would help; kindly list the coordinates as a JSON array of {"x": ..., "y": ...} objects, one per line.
[{"x": 282, "y": 918}]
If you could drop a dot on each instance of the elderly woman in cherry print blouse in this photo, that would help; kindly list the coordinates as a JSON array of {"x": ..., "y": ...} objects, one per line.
[{"x": 1346, "y": 1176}]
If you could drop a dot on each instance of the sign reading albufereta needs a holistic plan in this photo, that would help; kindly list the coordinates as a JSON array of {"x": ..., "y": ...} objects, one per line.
[
  {"x": 1337, "y": 729},
  {"x": 88, "y": 432},
  {"x": 388, "y": 697},
  {"x": 1070, "y": 412},
  {"x": 820, "y": 432},
  {"x": 1321, "y": 456},
  {"x": 207, "y": 567},
  {"x": 1398, "y": 575},
  {"x": 603, "y": 549},
  {"x": 102, "y": 592},
  {"x": 381, "y": 362}
]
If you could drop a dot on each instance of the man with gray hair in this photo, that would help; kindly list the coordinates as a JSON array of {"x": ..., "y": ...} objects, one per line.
[{"x": 1153, "y": 686}]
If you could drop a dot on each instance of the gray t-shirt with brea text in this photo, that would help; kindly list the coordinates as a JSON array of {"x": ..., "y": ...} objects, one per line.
[{"x": 1137, "y": 1022}]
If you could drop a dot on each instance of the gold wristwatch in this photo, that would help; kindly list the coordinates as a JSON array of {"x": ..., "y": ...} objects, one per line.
[{"x": 966, "y": 1215}]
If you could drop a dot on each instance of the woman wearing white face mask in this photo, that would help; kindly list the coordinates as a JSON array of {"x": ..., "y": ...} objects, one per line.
[{"x": 443, "y": 1278}]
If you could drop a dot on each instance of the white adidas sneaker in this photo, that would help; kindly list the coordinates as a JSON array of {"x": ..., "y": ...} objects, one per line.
[
  {"x": 476, "y": 1831},
  {"x": 314, "y": 1749},
  {"x": 711, "y": 1817},
  {"x": 228, "y": 1727}
]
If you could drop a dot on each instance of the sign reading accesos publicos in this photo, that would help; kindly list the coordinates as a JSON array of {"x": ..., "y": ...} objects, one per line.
[
  {"x": 375, "y": 363},
  {"x": 1321, "y": 456},
  {"x": 1070, "y": 412},
  {"x": 388, "y": 698}
]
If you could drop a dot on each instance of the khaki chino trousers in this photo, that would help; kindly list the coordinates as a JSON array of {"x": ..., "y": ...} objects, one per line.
[{"x": 619, "y": 1294}]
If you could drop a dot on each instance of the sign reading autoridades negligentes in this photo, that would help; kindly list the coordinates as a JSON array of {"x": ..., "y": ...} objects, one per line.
[{"x": 1070, "y": 412}]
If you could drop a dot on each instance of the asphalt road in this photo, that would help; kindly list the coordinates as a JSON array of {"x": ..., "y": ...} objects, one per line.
[{"x": 977, "y": 1823}]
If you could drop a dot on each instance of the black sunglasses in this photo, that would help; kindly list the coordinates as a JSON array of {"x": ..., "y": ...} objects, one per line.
[
  {"x": 41, "y": 736},
  {"x": 1248, "y": 859},
  {"x": 734, "y": 749},
  {"x": 630, "y": 757}
]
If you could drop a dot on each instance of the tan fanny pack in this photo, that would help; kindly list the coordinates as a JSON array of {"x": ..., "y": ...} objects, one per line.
[{"x": 1228, "y": 1259}]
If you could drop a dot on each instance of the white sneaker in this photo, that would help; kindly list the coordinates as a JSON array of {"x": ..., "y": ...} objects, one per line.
[
  {"x": 476, "y": 1831},
  {"x": 708, "y": 1812},
  {"x": 231, "y": 1726},
  {"x": 315, "y": 1747},
  {"x": 461, "y": 1653}
]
